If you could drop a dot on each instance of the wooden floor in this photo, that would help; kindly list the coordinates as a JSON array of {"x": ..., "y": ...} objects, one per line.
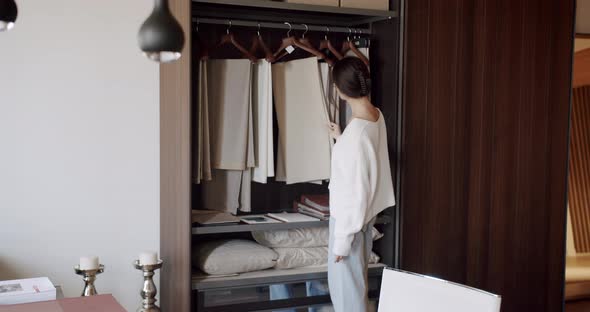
[{"x": 577, "y": 306}]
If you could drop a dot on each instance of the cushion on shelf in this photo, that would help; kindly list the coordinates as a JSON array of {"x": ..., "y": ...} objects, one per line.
[
  {"x": 232, "y": 256},
  {"x": 299, "y": 238},
  {"x": 290, "y": 258}
]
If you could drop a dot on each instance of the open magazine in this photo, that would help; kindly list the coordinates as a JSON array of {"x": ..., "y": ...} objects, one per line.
[{"x": 26, "y": 290}]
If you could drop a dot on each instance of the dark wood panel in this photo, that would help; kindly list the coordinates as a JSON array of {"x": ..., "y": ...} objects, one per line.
[
  {"x": 175, "y": 169},
  {"x": 581, "y": 68},
  {"x": 579, "y": 177},
  {"x": 485, "y": 145}
]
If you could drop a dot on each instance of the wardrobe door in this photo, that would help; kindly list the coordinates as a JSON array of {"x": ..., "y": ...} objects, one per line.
[{"x": 484, "y": 151}]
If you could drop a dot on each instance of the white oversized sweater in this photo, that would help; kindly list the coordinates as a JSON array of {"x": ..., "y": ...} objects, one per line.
[{"x": 360, "y": 183}]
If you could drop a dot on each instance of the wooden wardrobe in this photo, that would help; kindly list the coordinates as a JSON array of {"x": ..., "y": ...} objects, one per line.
[
  {"x": 478, "y": 141},
  {"x": 179, "y": 195}
]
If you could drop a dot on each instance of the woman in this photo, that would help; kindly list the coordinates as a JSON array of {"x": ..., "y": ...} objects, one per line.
[{"x": 360, "y": 187}]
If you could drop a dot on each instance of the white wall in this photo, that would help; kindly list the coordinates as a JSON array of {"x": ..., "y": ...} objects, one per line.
[{"x": 79, "y": 144}]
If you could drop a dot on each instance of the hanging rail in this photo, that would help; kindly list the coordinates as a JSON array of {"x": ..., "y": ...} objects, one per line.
[{"x": 324, "y": 29}]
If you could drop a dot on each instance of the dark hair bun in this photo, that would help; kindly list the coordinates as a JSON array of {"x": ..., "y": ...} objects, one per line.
[{"x": 352, "y": 77}]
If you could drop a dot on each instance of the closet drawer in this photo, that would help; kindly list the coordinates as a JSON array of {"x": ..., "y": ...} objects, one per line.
[
  {"x": 334, "y": 3},
  {"x": 273, "y": 297},
  {"x": 382, "y": 5}
]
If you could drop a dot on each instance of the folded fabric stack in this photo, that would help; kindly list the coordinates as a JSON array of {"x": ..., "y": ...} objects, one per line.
[
  {"x": 281, "y": 249},
  {"x": 298, "y": 248},
  {"x": 317, "y": 206}
]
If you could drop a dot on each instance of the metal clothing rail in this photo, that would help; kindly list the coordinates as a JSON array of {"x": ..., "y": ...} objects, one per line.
[{"x": 286, "y": 25}]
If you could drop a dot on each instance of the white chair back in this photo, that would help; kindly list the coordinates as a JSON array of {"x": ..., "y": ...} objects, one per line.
[{"x": 409, "y": 292}]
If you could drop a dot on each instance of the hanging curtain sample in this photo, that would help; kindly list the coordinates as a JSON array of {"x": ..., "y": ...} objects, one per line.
[
  {"x": 263, "y": 121},
  {"x": 228, "y": 191},
  {"x": 202, "y": 163},
  {"x": 231, "y": 138},
  {"x": 332, "y": 102},
  {"x": 230, "y": 114},
  {"x": 304, "y": 139}
]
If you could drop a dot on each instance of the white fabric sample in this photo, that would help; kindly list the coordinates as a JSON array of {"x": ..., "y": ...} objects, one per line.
[
  {"x": 232, "y": 256},
  {"x": 299, "y": 238},
  {"x": 303, "y": 133},
  {"x": 361, "y": 185},
  {"x": 230, "y": 114},
  {"x": 263, "y": 121}
]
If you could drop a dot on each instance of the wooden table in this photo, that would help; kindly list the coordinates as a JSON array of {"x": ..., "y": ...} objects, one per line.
[{"x": 99, "y": 303}]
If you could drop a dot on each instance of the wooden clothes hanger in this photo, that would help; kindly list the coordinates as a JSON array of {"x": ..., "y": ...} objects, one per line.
[
  {"x": 258, "y": 44},
  {"x": 326, "y": 44},
  {"x": 229, "y": 38},
  {"x": 348, "y": 45},
  {"x": 290, "y": 41},
  {"x": 305, "y": 41}
]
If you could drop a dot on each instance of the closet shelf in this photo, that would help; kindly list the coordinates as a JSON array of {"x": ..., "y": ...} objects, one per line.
[
  {"x": 278, "y": 11},
  {"x": 268, "y": 277},
  {"x": 233, "y": 228}
]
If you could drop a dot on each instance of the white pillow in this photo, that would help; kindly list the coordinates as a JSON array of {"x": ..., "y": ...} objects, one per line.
[
  {"x": 299, "y": 238},
  {"x": 290, "y": 258},
  {"x": 232, "y": 256}
]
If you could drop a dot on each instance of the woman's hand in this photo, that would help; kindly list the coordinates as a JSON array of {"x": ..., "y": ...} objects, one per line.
[
  {"x": 335, "y": 131},
  {"x": 339, "y": 258}
]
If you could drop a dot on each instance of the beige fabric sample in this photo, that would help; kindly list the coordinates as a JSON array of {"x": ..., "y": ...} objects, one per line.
[
  {"x": 280, "y": 174},
  {"x": 303, "y": 133},
  {"x": 263, "y": 121},
  {"x": 332, "y": 101},
  {"x": 230, "y": 114},
  {"x": 197, "y": 163},
  {"x": 246, "y": 191},
  {"x": 206, "y": 164},
  {"x": 228, "y": 191},
  {"x": 202, "y": 161}
]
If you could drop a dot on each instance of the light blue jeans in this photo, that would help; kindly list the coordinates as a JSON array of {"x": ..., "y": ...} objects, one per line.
[
  {"x": 348, "y": 278},
  {"x": 285, "y": 291}
]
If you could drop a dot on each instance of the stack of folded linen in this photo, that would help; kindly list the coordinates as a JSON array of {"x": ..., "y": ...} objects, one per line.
[{"x": 302, "y": 247}]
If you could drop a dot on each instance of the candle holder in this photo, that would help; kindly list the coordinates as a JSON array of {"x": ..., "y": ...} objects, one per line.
[
  {"x": 149, "y": 291},
  {"x": 89, "y": 276}
]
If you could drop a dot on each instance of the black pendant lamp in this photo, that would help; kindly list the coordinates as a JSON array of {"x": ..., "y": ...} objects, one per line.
[
  {"x": 161, "y": 37},
  {"x": 8, "y": 14}
]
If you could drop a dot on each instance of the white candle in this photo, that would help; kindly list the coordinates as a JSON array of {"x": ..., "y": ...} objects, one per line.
[
  {"x": 89, "y": 263},
  {"x": 148, "y": 258}
]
